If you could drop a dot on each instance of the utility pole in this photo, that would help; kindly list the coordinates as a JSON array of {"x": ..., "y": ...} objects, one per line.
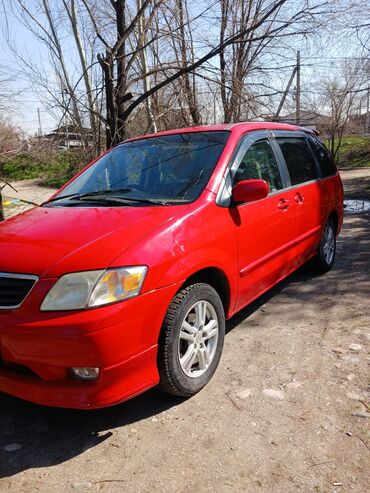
[
  {"x": 276, "y": 116},
  {"x": 298, "y": 89},
  {"x": 295, "y": 74},
  {"x": 39, "y": 131}
]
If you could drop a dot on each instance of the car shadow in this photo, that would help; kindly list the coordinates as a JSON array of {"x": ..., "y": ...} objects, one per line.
[
  {"x": 302, "y": 274},
  {"x": 45, "y": 436}
]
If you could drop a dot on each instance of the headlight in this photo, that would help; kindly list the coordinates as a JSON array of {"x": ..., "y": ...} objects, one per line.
[{"x": 94, "y": 288}]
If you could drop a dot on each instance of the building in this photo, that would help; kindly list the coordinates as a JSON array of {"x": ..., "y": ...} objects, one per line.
[
  {"x": 309, "y": 119},
  {"x": 67, "y": 137}
]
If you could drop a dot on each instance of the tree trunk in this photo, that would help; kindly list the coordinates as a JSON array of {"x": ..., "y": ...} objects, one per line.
[
  {"x": 152, "y": 126},
  {"x": 92, "y": 111},
  {"x": 224, "y": 12},
  {"x": 189, "y": 93},
  {"x": 111, "y": 124},
  {"x": 76, "y": 117},
  {"x": 121, "y": 90}
]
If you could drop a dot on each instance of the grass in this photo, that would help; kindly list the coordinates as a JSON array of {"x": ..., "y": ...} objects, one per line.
[
  {"x": 354, "y": 152},
  {"x": 53, "y": 168}
]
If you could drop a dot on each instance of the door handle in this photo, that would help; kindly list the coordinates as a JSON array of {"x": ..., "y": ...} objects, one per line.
[
  {"x": 283, "y": 204},
  {"x": 299, "y": 198}
]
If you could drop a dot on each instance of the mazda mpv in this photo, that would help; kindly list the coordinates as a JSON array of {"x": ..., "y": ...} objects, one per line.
[{"x": 124, "y": 278}]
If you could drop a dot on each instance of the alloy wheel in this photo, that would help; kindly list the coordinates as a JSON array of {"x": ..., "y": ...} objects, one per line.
[
  {"x": 198, "y": 339},
  {"x": 329, "y": 244}
]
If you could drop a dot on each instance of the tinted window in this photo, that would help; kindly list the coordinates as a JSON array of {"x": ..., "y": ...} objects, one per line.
[
  {"x": 299, "y": 160},
  {"x": 324, "y": 158},
  {"x": 171, "y": 167},
  {"x": 259, "y": 163}
]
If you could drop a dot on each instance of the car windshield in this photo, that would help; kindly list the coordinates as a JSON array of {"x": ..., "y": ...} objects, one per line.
[{"x": 168, "y": 169}]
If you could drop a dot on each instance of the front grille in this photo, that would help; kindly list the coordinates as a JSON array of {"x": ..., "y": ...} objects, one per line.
[{"x": 14, "y": 288}]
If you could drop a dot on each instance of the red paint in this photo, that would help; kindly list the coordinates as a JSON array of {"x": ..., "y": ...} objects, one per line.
[
  {"x": 250, "y": 190},
  {"x": 254, "y": 245}
]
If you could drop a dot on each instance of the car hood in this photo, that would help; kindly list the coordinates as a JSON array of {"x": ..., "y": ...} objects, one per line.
[{"x": 51, "y": 241}]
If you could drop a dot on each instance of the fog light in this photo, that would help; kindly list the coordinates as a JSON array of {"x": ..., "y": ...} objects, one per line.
[{"x": 84, "y": 373}]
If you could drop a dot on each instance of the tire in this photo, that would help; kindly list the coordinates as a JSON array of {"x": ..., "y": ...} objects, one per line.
[
  {"x": 325, "y": 256},
  {"x": 188, "y": 351}
]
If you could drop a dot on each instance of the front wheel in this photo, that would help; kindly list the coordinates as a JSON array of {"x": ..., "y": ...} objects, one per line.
[
  {"x": 324, "y": 259},
  {"x": 191, "y": 340}
]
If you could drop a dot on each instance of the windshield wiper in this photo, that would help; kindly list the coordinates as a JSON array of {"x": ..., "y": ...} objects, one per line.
[
  {"x": 108, "y": 197},
  {"x": 87, "y": 194},
  {"x": 119, "y": 200}
]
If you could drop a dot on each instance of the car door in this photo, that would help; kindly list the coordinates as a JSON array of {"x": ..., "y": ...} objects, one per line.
[
  {"x": 331, "y": 191},
  {"x": 264, "y": 228},
  {"x": 307, "y": 198}
]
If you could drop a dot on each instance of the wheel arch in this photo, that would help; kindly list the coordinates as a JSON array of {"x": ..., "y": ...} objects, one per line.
[
  {"x": 334, "y": 217},
  {"x": 216, "y": 278}
]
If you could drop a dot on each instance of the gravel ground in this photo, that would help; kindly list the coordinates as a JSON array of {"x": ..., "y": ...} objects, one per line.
[{"x": 287, "y": 410}]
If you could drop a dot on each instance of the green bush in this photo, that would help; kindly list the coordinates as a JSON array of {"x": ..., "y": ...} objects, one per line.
[
  {"x": 54, "y": 168},
  {"x": 21, "y": 168}
]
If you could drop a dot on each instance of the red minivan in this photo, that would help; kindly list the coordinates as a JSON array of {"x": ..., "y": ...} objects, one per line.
[{"x": 124, "y": 278}]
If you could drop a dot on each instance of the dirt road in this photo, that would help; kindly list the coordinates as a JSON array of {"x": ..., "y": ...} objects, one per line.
[
  {"x": 286, "y": 411},
  {"x": 26, "y": 190}
]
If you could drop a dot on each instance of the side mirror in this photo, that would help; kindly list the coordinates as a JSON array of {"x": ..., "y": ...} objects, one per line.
[{"x": 249, "y": 191}]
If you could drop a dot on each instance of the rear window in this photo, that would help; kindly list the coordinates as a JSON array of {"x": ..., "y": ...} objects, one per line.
[
  {"x": 299, "y": 160},
  {"x": 326, "y": 162}
]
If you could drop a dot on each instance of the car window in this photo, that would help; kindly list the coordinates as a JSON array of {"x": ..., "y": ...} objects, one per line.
[
  {"x": 259, "y": 163},
  {"x": 173, "y": 167},
  {"x": 324, "y": 158},
  {"x": 299, "y": 160}
]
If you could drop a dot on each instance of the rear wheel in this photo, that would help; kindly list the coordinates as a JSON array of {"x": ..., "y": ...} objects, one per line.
[
  {"x": 324, "y": 259},
  {"x": 191, "y": 340}
]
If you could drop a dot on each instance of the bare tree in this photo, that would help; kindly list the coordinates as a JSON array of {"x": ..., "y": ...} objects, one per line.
[
  {"x": 246, "y": 65},
  {"x": 142, "y": 37},
  {"x": 71, "y": 95},
  {"x": 356, "y": 24},
  {"x": 127, "y": 54},
  {"x": 125, "y": 103},
  {"x": 340, "y": 96},
  {"x": 70, "y": 9},
  {"x": 184, "y": 51}
]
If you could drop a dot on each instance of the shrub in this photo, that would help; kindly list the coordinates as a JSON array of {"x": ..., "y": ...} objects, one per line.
[{"x": 53, "y": 167}]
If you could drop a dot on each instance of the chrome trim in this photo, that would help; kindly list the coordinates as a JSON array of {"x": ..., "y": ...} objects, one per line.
[
  {"x": 303, "y": 184},
  {"x": 9, "y": 275},
  {"x": 278, "y": 133}
]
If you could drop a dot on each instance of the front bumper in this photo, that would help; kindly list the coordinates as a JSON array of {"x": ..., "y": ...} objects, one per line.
[
  {"x": 37, "y": 349},
  {"x": 115, "y": 384}
]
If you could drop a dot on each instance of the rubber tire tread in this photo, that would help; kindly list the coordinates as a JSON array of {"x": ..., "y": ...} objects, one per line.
[
  {"x": 168, "y": 381},
  {"x": 319, "y": 264}
]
